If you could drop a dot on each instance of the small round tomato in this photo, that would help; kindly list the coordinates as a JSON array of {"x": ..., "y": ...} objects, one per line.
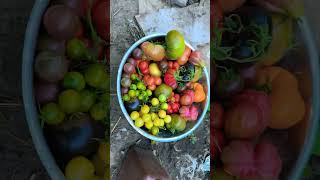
[
  {"x": 74, "y": 80},
  {"x": 98, "y": 111},
  {"x": 79, "y": 168},
  {"x": 175, "y": 66},
  {"x": 69, "y": 101},
  {"x": 143, "y": 65},
  {"x": 158, "y": 80},
  {"x": 95, "y": 75},
  {"x": 150, "y": 80},
  {"x": 87, "y": 100},
  {"x": 152, "y": 87},
  {"x": 52, "y": 114}
]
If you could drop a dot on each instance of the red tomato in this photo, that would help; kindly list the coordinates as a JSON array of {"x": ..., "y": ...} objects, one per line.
[
  {"x": 216, "y": 116},
  {"x": 100, "y": 18},
  {"x": 152, "y": 87},
  {"x": 158, "y": 80},
  {"x": 176, "y": 98},
  {"x": 143, "y": 65},
  {"x": 170, "y": 64},
  {"x": 150, "y": 81},
  {"x": 175, "y": 66}
]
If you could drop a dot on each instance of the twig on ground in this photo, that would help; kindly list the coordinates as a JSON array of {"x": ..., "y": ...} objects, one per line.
[
  {"x": 114, "y": 127},
  {"x": 115, "y": 13}
]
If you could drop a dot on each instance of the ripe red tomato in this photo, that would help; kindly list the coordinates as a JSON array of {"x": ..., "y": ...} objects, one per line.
[
  {"x": 150, "y": 81},
  {"x": 216, "y": 116},
  {"x": 143, "y": 65},
  {"x": 152, "y": 87},
  {"x": 158, "y": 80},
  {"x": 100, "y": 18}
]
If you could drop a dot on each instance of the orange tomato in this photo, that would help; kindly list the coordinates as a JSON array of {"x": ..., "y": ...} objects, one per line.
[
  {"x": 287, "y": 105},
  {"x": 199, "y": 94}
]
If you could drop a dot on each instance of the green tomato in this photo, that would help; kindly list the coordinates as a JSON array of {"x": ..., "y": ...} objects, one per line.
[
  {"x": 155, "y": 130},
  {"x": 79, "y": 168},
  {"x": 126, "y": 97},
  {"x": 137, "y": 93},
  {"x": 52, "y": 114},
  {"x": 133, "y": 77},
  {"x": 87, "y": 100},
  {"x": 98, "y": 111},
  {"x": 154, "y": 102},
  {"x": 164, "y": 106},
  {"x": 140, "y": 85},
  {"x": 162, "y": 98},
  {"x": 105, "y": 83},
  {"x": 149, "y": 92},
  {"x": 140, "y": 97},
  {"x": 74, "y": 80},
  {"x": 144, "y": 93},
  {"x": 133, "y": 87},
  {"x": 163, "y": 89},
  {"x": 175, "y": 45},
  {"x": 105, "y": 98},
  {"x": 134, "y": 115},
  {"x": 76, "y": 49},
  {"x": 132, "y": 93},
  {"x": 69, "y": 101},
  {"x": 139, "y": 122},
  {"x": 95, "y": 75},
  {"x": 178, "y": 123}
]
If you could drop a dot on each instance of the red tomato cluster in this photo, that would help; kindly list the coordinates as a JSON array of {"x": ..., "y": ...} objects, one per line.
[
  {"x": 174, "y": 103},
  {"x": 151, "y": 81}
]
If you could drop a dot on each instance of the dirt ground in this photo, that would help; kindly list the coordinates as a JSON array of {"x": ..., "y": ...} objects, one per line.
[{"x": 182, "y": 160}]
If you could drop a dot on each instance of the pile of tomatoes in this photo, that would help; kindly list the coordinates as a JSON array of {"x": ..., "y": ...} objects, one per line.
[
  {"x": 252, "y": 93},
  {"x": 161, "y": 85},
  {"x": 72, "y": 86}
]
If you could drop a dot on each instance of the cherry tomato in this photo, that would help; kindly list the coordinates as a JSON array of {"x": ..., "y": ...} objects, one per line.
[
  {"x": 152, "y": 87},
  {"x": 176, "y": 98},
  {"x": 143, "y": 65},
  {"x": 170, "y": 64},
  {"x": 175, "y": 66},
  {"x": 151, "y": 81},
  {"x": 79, "y": 168},
  {"x": 52, "y": 114},
  {"x": 158, "y": 81}
]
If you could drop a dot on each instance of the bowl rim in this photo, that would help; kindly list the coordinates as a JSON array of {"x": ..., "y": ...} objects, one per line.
[
  {"x": 124, "y": 111},
  {"x": 31, "y": 111}
]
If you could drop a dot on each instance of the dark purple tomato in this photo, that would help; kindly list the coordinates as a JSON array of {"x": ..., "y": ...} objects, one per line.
[
  {"x": 46, "y": 43},
  {"x": 242, "y": 51},
  {"x": 61, "y": 22},
  {"x": 133, "y": 105},
  {"x": 46, "y": 92},
  {"x": 50, "y": 67},
  {"x": 137, "y": 53},
  {"x": 74, "y": 137}
]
